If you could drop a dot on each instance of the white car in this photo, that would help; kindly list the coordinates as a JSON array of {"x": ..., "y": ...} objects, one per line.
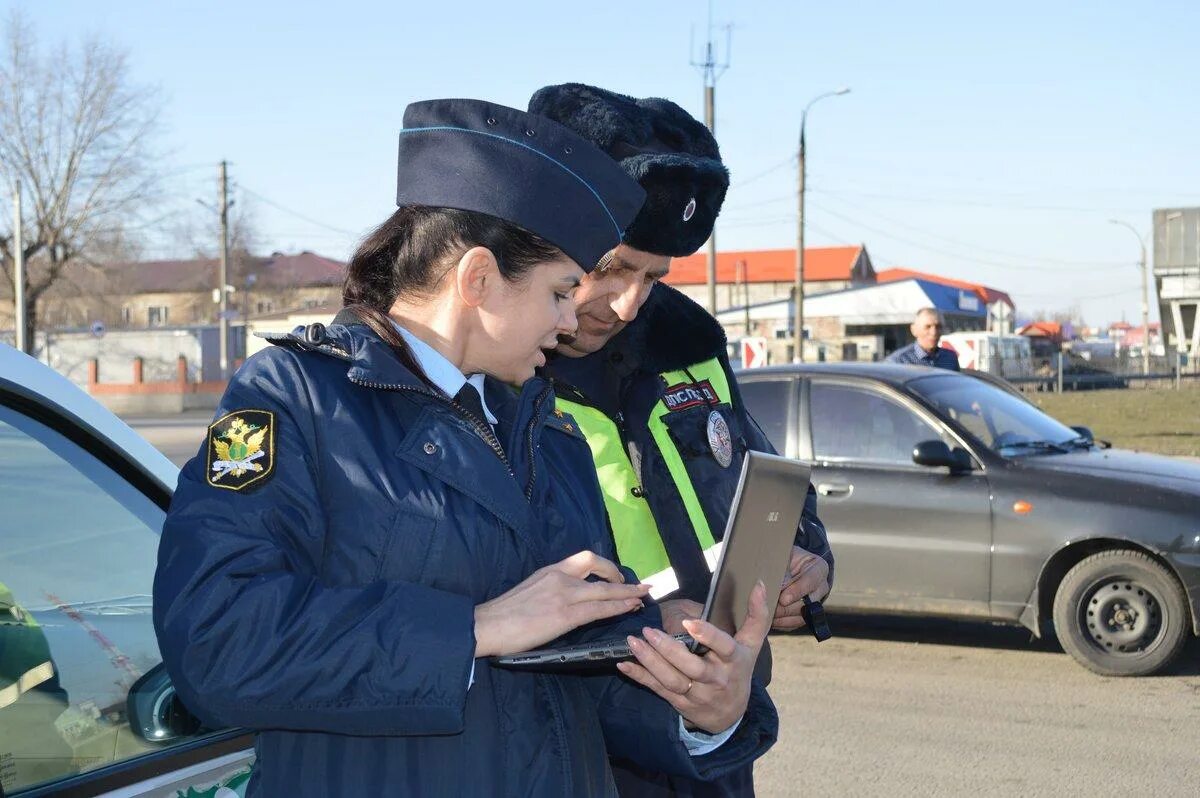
[{"x": 85, "y": 706}]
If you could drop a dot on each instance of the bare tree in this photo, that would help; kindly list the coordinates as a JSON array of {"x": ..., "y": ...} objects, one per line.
[
  {"x": 199, "y": 233},
  {"x": 76, "y": 134}
]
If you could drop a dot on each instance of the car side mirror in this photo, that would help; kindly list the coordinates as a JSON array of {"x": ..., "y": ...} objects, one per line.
[
  {"x": 936, "y": 454},
  {"x": 155, "y": 712},
  {"x": 1086, "y": 434}
]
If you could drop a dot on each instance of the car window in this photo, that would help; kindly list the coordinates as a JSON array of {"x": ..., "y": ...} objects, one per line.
[
  {"x": 767, "y": 401},
  {"x": 76, "y": 568},
  {"x": 1003, "y": 422},
  {"x": 851, "y": 423}
]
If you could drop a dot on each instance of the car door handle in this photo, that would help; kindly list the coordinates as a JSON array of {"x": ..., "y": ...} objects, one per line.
[{"x": 834, "y": 490}]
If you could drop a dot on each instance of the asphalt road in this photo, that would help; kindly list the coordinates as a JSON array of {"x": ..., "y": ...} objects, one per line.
[{"x": 901, "y": 706}]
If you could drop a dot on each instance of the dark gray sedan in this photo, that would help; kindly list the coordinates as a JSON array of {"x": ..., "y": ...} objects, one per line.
[{"x": 945, "y": 494}]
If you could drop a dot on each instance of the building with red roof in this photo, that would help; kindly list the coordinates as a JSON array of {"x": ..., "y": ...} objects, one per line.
[
  {"x": 988, "y": 295},
  {"x": 761, "y": 275},
  {"x": 1050, "y": 330},
  {"x": 1000, "y": 306}
]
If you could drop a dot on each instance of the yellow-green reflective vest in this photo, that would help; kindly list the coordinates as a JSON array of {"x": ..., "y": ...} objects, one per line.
[
  {"x": 635, "y": 532},
  {"x": 24, "y": 655}
]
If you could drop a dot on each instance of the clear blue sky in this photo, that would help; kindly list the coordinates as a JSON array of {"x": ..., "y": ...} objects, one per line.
[{"x": 989, "y": 142}]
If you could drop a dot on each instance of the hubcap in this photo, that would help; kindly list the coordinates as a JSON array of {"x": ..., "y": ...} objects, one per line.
[{"x": 1121, "y": 617}]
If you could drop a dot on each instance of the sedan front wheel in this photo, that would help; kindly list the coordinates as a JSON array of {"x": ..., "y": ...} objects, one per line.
[{"x": 1121, "y": 613}]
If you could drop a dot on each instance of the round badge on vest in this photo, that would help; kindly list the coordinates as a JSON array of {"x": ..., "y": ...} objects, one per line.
[{"x": 719, "y": 439}]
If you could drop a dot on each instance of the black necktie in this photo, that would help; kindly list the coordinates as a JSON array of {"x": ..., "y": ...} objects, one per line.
[{"x": 468, "y": 399}]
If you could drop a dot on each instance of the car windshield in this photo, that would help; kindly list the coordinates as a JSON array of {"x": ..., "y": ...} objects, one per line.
[{"x": 1005, "y": 423}]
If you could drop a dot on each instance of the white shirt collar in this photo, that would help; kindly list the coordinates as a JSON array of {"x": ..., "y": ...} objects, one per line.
[{"x": 441, "y": 371}]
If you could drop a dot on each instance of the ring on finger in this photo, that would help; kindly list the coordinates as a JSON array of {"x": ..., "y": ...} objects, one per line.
[{"x": 688, "y": 689}]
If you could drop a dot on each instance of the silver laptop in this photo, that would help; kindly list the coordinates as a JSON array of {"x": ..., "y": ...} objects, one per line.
[{"x": 757, "y": 545}]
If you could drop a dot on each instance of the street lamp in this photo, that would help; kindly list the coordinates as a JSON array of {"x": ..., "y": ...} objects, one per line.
[
  {"x": 1145, "y": 296},
  {"x": 798, "y": 289}
]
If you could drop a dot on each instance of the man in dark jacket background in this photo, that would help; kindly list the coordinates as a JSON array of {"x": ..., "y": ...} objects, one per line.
[
  {"x": 926, "y": 349},
  {"x": 648, "y": 380}
]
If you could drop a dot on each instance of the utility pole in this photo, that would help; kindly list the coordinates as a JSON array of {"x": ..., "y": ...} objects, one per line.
[
  {"x": 712, "y": 70},
  {"x": 743, "y": 269},
  {"x": 20, "y": 319},
  {"x": 1145, "y": 295},
  {"x": 223, "y": 307},
  {"x": 1145, "y": 315},
  {"x": 798, "y": 288}
]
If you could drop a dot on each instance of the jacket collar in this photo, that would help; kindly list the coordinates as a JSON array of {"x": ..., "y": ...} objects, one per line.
[
  {"x": 373, "y": 361},
  {"x": 670, "y": 332}
]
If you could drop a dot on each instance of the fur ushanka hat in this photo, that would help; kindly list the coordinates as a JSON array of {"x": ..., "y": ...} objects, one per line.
[{"x": 673, "y": 156}]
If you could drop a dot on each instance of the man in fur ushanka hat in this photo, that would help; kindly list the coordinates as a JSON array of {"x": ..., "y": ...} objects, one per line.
[{"x": 647, "y": 379}]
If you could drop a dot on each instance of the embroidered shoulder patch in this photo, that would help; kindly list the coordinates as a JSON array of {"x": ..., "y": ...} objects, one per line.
[
  {"x": 564, "y": 422},
  {"x": 241, "y": 449}
]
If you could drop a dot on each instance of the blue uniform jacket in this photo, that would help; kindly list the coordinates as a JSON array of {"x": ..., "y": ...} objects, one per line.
[
  {"x": 624, "y": 381},
  {"x": 330, "y": 605}
]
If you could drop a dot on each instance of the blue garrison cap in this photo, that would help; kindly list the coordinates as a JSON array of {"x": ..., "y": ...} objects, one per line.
[{"x": 522, "y": 168}]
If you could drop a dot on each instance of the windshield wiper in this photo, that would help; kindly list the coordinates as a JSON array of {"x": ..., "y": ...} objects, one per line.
[
  {"x": 1088, "y": 443},
  {"x": 1038, "y": 446}
]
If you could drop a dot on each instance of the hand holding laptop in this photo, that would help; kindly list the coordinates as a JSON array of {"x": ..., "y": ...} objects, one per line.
[
  {"x": 676, "y": 611},
  {"x": 808, "y": 575},
  {"x": 710, "y": 691},
  {"x": 757, "y": 543}
]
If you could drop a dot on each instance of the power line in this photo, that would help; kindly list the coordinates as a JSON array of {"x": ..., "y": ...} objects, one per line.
[
  {"x": 1059, "y": 295},
  {"x": 951, "y": 254},
  {"x": 888, "y": 170},
  {"x": 1072, "y": 266},
  {"x": 883, "y": 259},
  {"x": 979, "y": 204},
  {"x": 789, "y": 161},
  {"x": 297, "y": 214},
  {"x": 185, "y": 169},
  {"x": 759, "y": 222},
  {"x": 1091, "y": 265},
  {"x": 740, "y": 206}
]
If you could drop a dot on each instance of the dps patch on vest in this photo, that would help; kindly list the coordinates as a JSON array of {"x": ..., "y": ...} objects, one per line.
[
  {"x": 241, "y": 449},
  {"x": 686, "y": 394}
]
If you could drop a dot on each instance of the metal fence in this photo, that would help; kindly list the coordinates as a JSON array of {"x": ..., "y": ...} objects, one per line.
[{"x": 1079, "y": 374}]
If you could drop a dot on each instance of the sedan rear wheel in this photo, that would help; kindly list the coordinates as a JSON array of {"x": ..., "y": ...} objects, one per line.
[{"x": 1121, "y": 613}]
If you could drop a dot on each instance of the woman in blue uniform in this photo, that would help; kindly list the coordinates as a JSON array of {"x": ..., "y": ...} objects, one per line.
[{"x": 375, "y": 510}]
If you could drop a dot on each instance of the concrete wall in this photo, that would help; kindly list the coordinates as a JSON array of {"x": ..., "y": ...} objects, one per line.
[
  {"x": 69, "y": 353},
  {"x": 160, "y": 397},
  {"x": 160, "y": 404}
]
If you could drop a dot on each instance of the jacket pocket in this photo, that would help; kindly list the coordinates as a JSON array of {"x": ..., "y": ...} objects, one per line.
[
  {"x": 689, "y": 432},
  {"x": 412, "y": 544},
  {"x": 713, "y": 484}
]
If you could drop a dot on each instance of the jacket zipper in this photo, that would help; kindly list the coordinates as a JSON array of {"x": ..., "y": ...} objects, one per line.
[
  {"x": 487, "y": 435},
  {"x": 537, "y": 410}
]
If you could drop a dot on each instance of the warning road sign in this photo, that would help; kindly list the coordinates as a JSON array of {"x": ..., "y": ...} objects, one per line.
[{"x": 754, "y": 352}]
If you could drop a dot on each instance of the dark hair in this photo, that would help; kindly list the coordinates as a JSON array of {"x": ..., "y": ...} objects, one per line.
[{"x": 408, "y": 254}]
